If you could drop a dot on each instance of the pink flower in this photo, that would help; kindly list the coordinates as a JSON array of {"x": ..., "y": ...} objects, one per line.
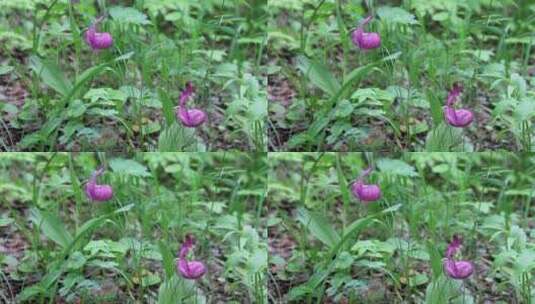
[
  {"x": 366, "y": 193},
  {"x": 96, "y": 192},
  {"x": 456, "y": 269},
  {"x": 363, "y": 39},
  {"x": 457, "y": 118},
  {"x": 190, "y": 118},
  {"x": 190, "y": 270},
  {"x": 96, "y": 40}
]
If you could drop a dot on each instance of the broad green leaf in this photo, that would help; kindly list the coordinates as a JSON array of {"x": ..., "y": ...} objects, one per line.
[
  {"x": 395, "y": 15},
  {"x": 76, "y": 109},
  {"x": 319, "y": 75},
  {"x": 51, "y": 226},
  {"x": 128, "y": 15},
  {"x": 298, "y": 140},
  {"x": 396, "y": 167},
  {"x": 51, "y": 74},
  {"x": 318, "y": 125},
  {"x": 105, "y": 94},
  {"x": 318, "y": 226},
  {"x": 129, "y": 167},
  {"x": 344, "y": 108},
  {"x": 525, "y": 110},
  {"x": 6, "y": 221},
  {"x": 5, "y": 69},
  {"x": 76, "y": 261},
  {"x": 357, "y": 75},
  {"x": 30, "y": 292}
]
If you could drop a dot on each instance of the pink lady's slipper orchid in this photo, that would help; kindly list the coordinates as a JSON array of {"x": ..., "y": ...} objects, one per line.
[
  {"x": 456, "y": 269},
  {"x": 96, "y": 192},
  {"x": 366, "y": 193},
  {"x": 364, "y": 40},
  {"x": 457, "y": 118},
  {"x": 190, "y": 270},
  {"x": 190, "y": 118},
  {"x": 96, "y": 40}
]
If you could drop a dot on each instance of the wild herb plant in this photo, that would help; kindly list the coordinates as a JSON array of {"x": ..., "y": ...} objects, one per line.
[
  {"x": 108, "y": 75},
  {"x": 375, "y": 75},
  {"x": 419, "y": 228},
  {"x": 151, "y": 227}
]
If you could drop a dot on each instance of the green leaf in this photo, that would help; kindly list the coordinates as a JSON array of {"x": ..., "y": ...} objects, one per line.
[
  {"x": 124, "y": 57},
  {"x": 51, "y": 226},
  {"x": 5, "y": 69},
  {"x": 106, "y": 94},
  {"x": 436, "y": 107},
  {"x": 167, "y": 259},
  {"x": 342, "y": 181},
  {"x": 319, "y": 75},
  {"x": 258, "y": 109},
  {"x": 129, "y": 167},
  {"x": 6, "y": 221},
  {"x": 128, "y": 15},
  {"x": 150, "y": 280},
  {"x": 76, "y": 109},
  {"x": 525, "y": 110},
  {"x": 318, "y": 125},
  {"x": 344, "y": 109},
  {"x": 76, "y": 261},
  {"x": 177, "y": 138},
  {"x": 357, "y": 75},
  {"x": 444, "y": 138},
  {"x": 318, "y": 226},
  {"x": 51, "y": 74},
  {"x": 396, "y": 167},
  {"x": 177, "y": 290},
  {"x": 168, "y": 106},
  {"x": 298, "y": 140},
  {"x": 395, "y": 15},
  {"x": 30, "y": 292},
  {"x": 344, "y": 260},
  {"x": 107, "y": 248}
]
